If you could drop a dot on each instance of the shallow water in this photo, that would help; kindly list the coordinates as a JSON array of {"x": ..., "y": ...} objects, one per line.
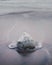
[
  {"x": 38, "y": 24},
  {"x": 18, "y": 18}
]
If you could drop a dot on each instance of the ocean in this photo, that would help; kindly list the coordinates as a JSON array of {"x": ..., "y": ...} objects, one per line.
[
  {"x": 33, "y": 17},
  {"x": 7, "y": 6}
]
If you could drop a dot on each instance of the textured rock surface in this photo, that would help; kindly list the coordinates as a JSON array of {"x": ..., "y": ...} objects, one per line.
[{"x": 25, "y": 44}]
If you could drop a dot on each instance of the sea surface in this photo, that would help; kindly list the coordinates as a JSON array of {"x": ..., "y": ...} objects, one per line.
[
  {"x": 7, "y": 6},
  {"x": 33, "y": 17}
]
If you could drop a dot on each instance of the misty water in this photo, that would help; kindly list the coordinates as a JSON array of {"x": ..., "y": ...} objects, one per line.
[
  {"x": 33, "y": 17},
  {"x": 7, "y": 6}
]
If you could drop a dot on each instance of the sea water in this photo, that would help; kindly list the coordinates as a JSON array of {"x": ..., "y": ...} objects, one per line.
[
  {"x": 7, "y": 6},
  {"x": 33, "y": 17}
]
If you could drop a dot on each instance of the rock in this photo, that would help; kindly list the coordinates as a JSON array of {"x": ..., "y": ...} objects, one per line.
[{"x": 25, "y": 44}]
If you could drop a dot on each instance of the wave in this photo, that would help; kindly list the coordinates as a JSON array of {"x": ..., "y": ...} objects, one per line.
[
  {"x": 19, "y": 7},
  {"x": 14, "y": 13}
]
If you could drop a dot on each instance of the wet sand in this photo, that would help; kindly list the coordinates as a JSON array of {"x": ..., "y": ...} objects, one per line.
[{"x": 38, "y": 24}]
